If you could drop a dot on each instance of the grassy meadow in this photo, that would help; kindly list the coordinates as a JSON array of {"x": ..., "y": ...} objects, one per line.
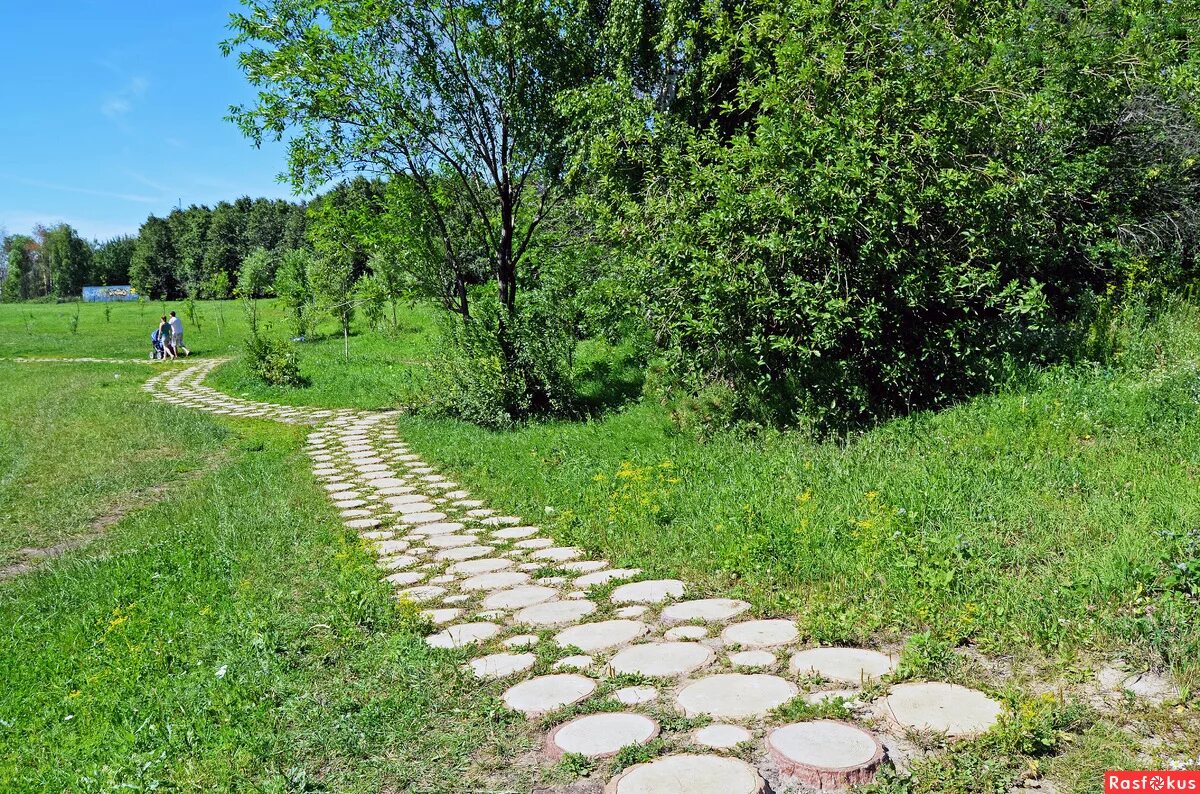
[
  {"x": 221, "y": 633},
  {"x": 1018, "y": 542}
]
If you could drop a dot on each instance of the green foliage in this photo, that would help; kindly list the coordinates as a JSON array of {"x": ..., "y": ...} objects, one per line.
[
  {"x": 112, "y": 260},
  {"x": 331, "y": 279},
  {"x": 842, "y": 212},
  {"x": 291, "y": 285},
  {"x": 273, "y": 360},
  {"x": 473, "y": 137},
  {"x": 68, "y": 259},
  {"x": 257, "y": 274},
  {"x": 928, "y": 657},
  {"x": 372, "y": 296},
  {"x": 152, "y": 269},
  {"x": 497, "y": 371}
]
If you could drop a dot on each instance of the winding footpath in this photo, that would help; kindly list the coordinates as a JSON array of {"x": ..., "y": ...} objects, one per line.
[{"x": 613, "y": 646}]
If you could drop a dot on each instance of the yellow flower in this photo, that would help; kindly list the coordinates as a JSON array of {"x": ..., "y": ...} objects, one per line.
[
  {"x": 805, "y": 497},
  {"x": 872, "y": 495}
]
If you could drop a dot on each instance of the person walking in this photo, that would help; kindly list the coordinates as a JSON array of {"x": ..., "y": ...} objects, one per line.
[
  {"x": 164, "y": 335},
  {"x": 177, "y": 335}
]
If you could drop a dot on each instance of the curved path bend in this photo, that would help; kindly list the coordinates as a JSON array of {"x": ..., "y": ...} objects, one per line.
[{"x": 598, "y": 655}]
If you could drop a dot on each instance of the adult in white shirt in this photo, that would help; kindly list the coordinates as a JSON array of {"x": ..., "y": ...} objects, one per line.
[{"x": 177, "y": 335}]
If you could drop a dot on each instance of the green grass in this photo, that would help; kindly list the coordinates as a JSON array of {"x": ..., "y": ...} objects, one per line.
[
  {"x": 62, "y": 428},
  {"x": 1042, "y": 522},
  {"x": 112, "y": 654},
  {"x": 385, "y": 367}
]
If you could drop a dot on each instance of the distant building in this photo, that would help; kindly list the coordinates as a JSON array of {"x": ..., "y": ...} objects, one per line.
[{"x": 106, "y": 294}]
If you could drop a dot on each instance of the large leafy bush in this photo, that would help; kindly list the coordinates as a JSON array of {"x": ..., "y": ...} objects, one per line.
[{"x": 845, "y": 210}]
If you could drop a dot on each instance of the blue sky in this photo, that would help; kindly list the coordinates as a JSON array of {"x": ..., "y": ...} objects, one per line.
[{"x": 111, "y": 110}]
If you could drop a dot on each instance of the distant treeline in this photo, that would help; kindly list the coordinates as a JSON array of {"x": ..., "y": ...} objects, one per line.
[{"x": 197, "y": 251}]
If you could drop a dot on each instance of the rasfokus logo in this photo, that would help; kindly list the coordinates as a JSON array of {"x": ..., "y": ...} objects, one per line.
[{"x": 1170, "y": 780}]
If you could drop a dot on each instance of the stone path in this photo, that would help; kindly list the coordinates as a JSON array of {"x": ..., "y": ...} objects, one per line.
[{"x": 565, "y": 631}]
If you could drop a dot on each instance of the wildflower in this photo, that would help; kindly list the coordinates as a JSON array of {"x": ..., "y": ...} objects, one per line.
[{"x": 222, "y": 670}]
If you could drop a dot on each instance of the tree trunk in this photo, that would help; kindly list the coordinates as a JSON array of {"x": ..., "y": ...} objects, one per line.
[{"x": 505, "y": 267}]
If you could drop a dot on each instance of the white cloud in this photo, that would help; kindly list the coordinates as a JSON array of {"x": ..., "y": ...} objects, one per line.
[
  {"x": 118, "y": 103},
  {"x": 115, "y": 107}
]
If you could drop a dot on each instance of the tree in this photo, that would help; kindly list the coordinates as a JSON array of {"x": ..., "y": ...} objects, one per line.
[
  {"x": 331, "y": 280},
  {"x": 223, "y": 244},
  {"x": 22, "y": 250},
  {"x": 153, "y": 268},
  {"x": 845, "y": 211},
  {"x": 112, "y": 259},
  {"x": 450, "y": 93},
  {"x": 292, "y": 288}
]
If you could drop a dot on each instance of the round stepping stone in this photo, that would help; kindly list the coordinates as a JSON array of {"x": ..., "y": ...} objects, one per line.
[
  {"x": 345, "y": 495},
  {"x": 760, "y": 633},
  {"x": 390, "y": 482},
  {"x": 512, "y": 533},
  {"x": 602, "y": 577},
  {"x": 423, "y": 518},
  {"x": 852, "y": 665},
  {"x": 752, "y": 659},
  {"x": 406, "y": 509},
  {"x": 501, "y": 665},
  {"x": 451, "y": 541},
  {"x": 363, "y": 523},
  {"x": 345, "y": 503},
  {"x": 457, "y": 598},
  {"x": 651, "y": 592},
  {"x": 585, "y": 566},
  {"x": 519, "y": 597},
  {"x": 473, "y": 567},
  {"x": 497, "y": 521},
  {"x": 521, "y": 641},
  {"x": 735, "y": 695},
  {"x": 531, "y": 566},
  {"x": 396, "y": 563},
  {"x": 439, "y": 616},
  {"x": 404, "y": 499},
  {"x": 534, "y": 543},
  {"x": 406, "y": 578},
  {"x": 946, "y": 708},
  {"x": 686, "y": 633},
  {"x": 598, "y": 636},
  {"x": 825, "y": 753},
  {"x": 495, "y": 581},
  {"x": 706, "y": 609},
  {"x": 631, "y": 613},
  {"x": 555, "y": 613},
  {"x": 547, "y": 693},
  {"x": 423, "y": 593},
  {"x": 462, "y": 635},
  {"x": 688, "y": 774},
  {"x": 636, "y": 695},
  {"x": 439, "y": 528},
  {"x": 579, "y": 662},
  {"x": 557, "y": 554},
  {"x": 721, "y": 736},
  {"x": 661, "y": 659},
  {"x": 445, "y": 579},
  {"x": 600, "y": 735},
  {"x": 463, "y": 553}
]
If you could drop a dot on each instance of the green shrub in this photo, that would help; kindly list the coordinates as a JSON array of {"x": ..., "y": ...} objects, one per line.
[
  {"x": 497, "y": 373},
  {"x": 844, "y": 212},
  {"x": 274, "y": 360}
]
